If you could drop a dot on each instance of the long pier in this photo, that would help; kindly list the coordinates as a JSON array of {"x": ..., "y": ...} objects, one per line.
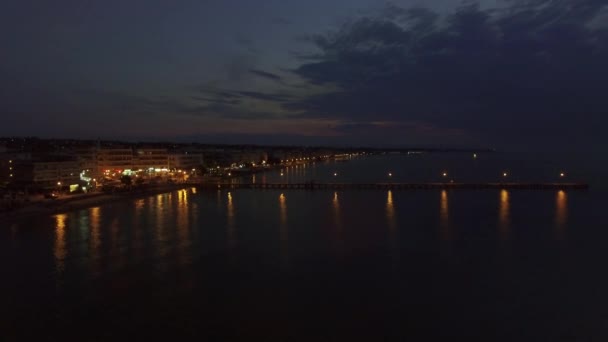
[{"x": 394, "y": 186}]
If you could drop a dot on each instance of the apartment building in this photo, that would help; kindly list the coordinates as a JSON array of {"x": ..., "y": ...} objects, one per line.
[
  {"x": 47, "y": 173},
  {"x": 185, "y": 161},
  {"x": 150, "y": 158},
  {"x": 114, "y": 159}
]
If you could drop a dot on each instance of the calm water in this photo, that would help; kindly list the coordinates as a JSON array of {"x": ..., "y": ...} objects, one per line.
[{"x": 322, "y": 265}]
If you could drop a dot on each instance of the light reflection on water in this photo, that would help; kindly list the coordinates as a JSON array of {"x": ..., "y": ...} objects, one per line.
[
  {"x": 95, "y": 240},
  {"x": 60, "y": 250},
  {"x": 504, "y": 214},
  {"x": 183, "y": 227},
  {"x": 283, "y": 230},
  {"x": 168, "y": 226},
  {"x": 230, "y": 218},
  {"x": 337, "y": 223},
  {"x": 391, "y": 218},
  {"x": 333, "y": 249},
  {"x": 561, "y": 214},
  {"x": 361, "y": 234},
  {"x": 163, "y": 204},
  {"x": 176, "y": 221},
  {"x": 444, "y": 216}
]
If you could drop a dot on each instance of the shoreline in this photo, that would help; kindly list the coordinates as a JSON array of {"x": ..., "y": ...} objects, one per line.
[
  {"x": 72, "y": 204},
  {"x": 64, "y": 205}
]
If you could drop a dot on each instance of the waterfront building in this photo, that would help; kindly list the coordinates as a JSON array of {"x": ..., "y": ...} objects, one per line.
[
  {"x": 87, "y": 156},
  {"x": 50, "y": 172},
  {"x": 114, "y": 159},
  {"x": 150, "y": 158},
  {"x": 185, "y": 160}
]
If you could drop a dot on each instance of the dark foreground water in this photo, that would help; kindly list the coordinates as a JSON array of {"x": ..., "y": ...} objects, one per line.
[{"x": 323, "y": 265}]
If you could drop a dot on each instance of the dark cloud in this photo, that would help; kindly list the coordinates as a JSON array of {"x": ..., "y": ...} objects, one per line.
[
  {"x": 216, "y": 100},
  {"x": 266, "y": 96},
  {"x": 236, "y": 97},
  {"x": 266, "y": 74},
  {"x": 534, "y": 70}
]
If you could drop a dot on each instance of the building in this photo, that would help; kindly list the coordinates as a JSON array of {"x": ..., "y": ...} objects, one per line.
[
  {"x": 114, "y": 159},
  {"x": 8, "y": 161},
  {"x": 47, "y": 173},
  {"x": 87, "y": 156},
  {"x": 6, "y": 169},
  {"x": 185, "y": 161},
  {"x": 150, "y": 158},
  {"x": 243, "y": 157}
]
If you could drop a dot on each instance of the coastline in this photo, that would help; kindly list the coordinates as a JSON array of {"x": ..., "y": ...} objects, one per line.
[
  {"x": 82, "y": 202},
  {"x": 64, "y": 205}
]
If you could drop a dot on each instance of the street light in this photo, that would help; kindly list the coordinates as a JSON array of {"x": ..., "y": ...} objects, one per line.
[
  {"x": 390, "y": 174},
  {"x": 504, "y": 174},
  {"x": 445, "y": 174},
  {"x": 335, "y": 174},
  {"x": 562, "y": 175}
]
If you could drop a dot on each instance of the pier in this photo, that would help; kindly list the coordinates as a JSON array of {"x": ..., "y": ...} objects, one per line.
[{"x": 394, "y": 186}]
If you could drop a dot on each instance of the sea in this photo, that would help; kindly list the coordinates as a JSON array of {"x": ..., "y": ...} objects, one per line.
[{"x": 321, "y": 265}]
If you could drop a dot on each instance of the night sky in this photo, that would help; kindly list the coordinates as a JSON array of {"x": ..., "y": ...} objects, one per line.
[{"x": 517, "y": 75}]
